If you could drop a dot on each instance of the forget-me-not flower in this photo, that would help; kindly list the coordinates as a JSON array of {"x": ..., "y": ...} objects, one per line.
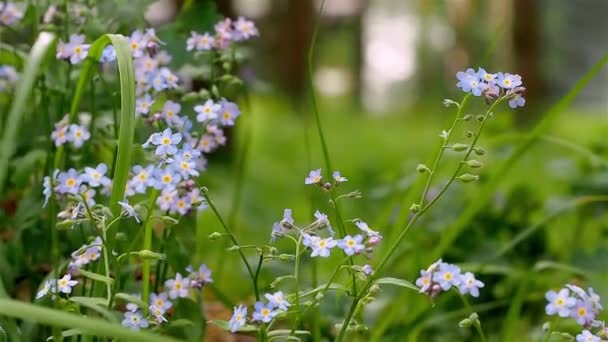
[{"x": 239, "y": 318}]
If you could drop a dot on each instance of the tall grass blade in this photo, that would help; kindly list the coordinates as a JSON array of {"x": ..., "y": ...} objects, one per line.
[
  {"x": 89, "y": 325},
  {"x": 42, "y": 47}
]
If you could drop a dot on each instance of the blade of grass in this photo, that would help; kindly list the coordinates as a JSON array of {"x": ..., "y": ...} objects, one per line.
[
  {"x": 93, "y": 326},
  {"x": 485, "y": 194},
  {"x": 127, "y": 109},
  {"x": 42, "y": 47}
]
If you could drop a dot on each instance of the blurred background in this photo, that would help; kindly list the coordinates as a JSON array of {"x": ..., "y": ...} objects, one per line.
[{"x": 381, "y": 71}]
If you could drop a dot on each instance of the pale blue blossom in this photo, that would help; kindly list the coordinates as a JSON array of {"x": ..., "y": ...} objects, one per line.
[
  {"x": 143, "y": 104},
  {"x": 134, "y": 320},
  {"x": 367, "y": 269},
  {"x": 228, "y": 113},
  {"x": 88, "y": 195},
  {"x": 77, "y": 135},
  {"x": 587, "y": 336},
  {"x": 108, "y": 54},
  {"x": 517, "y": 101},
  {"x": 178, "y": 287},
  {"x": 186, "y": 167},
  {"x": 364, "y": 227},
  {"x": 96, "y": 176},
  {"x": 188, "y": 152},
  {"x": 143, "y": 178},
  {"x": 468, "y": 284},
  {"x": 207, "y": 111},
  {"x": 425, "y": 281},
  {"x": 278, "y": 300},
  {"x": 508, "y": 81},
  {"x": 199, "y": 277},
  {"x": 160, "y": 301},
  {"x": 447, "y": 275},
  {"x": 9, "y": 13},
  {"x": 469, "y": 82},
  {"x": 238, "y": 319},
  {"x": 69, "y": 182},
  {"x": 323, "y": 221},
  {"x": 560, "y": 303},
  {"x": 199, "y": 42},
  {"x": 76, "y": 49},
  {"x": 137, "y": 44},
  {"x": 485, "y": 76},
  {"x": 166, "y": 178},
  {"x": 170, "y": 112},
  {"x": 352, "y": 244},
  {"x": 264, "y": 312},
  {"x": 244, "y": 29},
  {"x": 158, "y": 314},
  {"x": 181, "y": 205},
  {"x": 48, "y": 286},
  {"x": 129, "y": 210},
  {"x": 314, "y": 177},
  {"x": 582, "y": 312},
  {"x": 322, "y": 247},
  {"x": 66, "y": 283},
  {"x": 166, "y": 199},
  {"x": 166, "y": 142},
  {"x": 338, "y": 178}
]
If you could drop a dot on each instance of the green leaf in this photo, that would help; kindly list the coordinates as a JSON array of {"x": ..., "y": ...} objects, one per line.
[
  {"x": 284, "y": 332},
  {"x": 127, "y": 109},
  {"x": 397, "y": 282},
  {"x": 89, "y": 325},
  {"x": 42, "y": 47},
  {"x": 182, "y": 322},
  {"x": 96, "y": 277},
  {"x": 131, "y": 299},
  {"x": 68, "y": 333},
  {"x": 226, "y": 326},
  {"x": 96, "y": 304}
]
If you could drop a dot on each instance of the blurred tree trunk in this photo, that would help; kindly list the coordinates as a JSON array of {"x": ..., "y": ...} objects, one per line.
[
  {"x": 526, "y": 48},
  {"x": 226, "y": 8},
  {"x": 292, "y": 22}
]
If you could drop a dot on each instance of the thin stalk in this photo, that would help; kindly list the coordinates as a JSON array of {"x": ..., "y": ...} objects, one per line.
[
  {"x": 296, "y": 276},
  {"x": 147, "y": 245},
  {"x": 160, "y": 265},
  {"x": 476, "y": 323},
  {"x": 263, "y": 332},
  {"x": 415, "y": 218},
  {"x": 234, "y": 241}
]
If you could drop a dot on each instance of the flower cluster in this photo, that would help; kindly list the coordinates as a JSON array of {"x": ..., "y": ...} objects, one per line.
[
  {"x": 160, "y": 303},
  {"x": 9, "y": 13},
  {"x": 572, "y": 301},
  {"x": 316, "y": 178},
  {"x": 56, "y": 286},
  {"x": 8, "y": 77},
  {"x": 263, "y": 312},
  {"x": 441, "y": 276},
  {"x": 226, "y": 31},
  {"x": 492, "y": 86},
  {"x": 65, "y": 132},
  {"x": 85, "y": 254}
]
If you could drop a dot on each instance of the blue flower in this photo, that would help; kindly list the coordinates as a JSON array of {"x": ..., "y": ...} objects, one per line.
[
  {"x": 447, "y": 275},
  {"x": 166, "y": 199},
  {"x": 229, "y": 112},
  {"x": 485, "y": 76},
  {"x": 143, "y": 104},
  {"x": 66, "y": 283},
  {"x": 129, "y": 210},
  {"x": 47, "y": 184},
  {"x": 166, "y": 178},
  {"x": 134, "y": 320},
  {"x": 160, "y": 301},
  {"x": 594, "y": 298},
  {"x": 582, "y": 312},
  {"x": 560, "y": 303},
  {"x": 338, "y": 178},
  {"x": 322, "y": 247},
  {"x": 286, "y": 223},
  {"x": 199, "y": 277},
  {"x": 48, "y": 286},
  {"x": 425, "y": 281},
  {"x": 244, "y": 29},
  {"x": 170, "y": 112},
  {"x": 108, "y": 54},
  {"x": 264, "y": 312},
  {"x": 468, "y": 284},
  {"x": 469, "y": 82},
  {"x": 69, "y": 182},
  {"x": 323, "y": 221},
  {"x": 352, "y": 244},
  {"x": 87, "y": 194},
  {"x": 188, "y": 152},
  {"x": 166, "y": 142},
  {"x": 277, "y": 300},
  {"x": 239, "y": 318},
  {"x": 314, "y": 177},
  {"x": 587, "y": 336},
  {"x": 367, "y": 269},
  {"x": 158, "y": 314},
  {"x": 366, "y": 229},
  {"x": 143, "y": 178},
  {"x": 207, "y": 111},
  {"x": 186, "y": 167},
  {"x": 177, "y": 287},
  {"x": 96, "y": 176},
  {"x": 77, "y": 135},
  {"x": 508, "y": 81},
  {"x": 517, "y": 101}
]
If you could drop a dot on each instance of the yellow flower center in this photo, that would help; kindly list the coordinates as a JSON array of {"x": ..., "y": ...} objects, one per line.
[
  {"x": 134, "y": 45},
  {"x": 559, "y": 302},
  {"x": 63, "y": 282},
  {"x": 426, "y": 281},
  {"x": 185, "y": 166},
  {"x": 143, "y": 176},
  {"x": 322, "y": 243},
  {"x": 78, "y": 49},
  {"x": 160, "y": 303},
  {"x": 448, "y": 276},
  {"x": 167, "y": 179},
  {"x": 166, "y": 141},
  {"x": 351, "y": 243},
  {"x": 582, "y": 312},
  {"x": 178, "y": 285},
  {"x": 70, "y": 182},
  {"x": 170, "y": 113},
  {"x": 226, "y": 115},
  {"x": 265, "y": 312},
  {"x": 78, "y": 134},
  {"x": 316, "y": 179},
  {"x": 181, "y": 204}
]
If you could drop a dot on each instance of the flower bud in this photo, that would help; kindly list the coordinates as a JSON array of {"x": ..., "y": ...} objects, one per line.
[
  {"x": 414, "y": 208},
  {"x": 448, "y": 102},
  {"x": 469, "y": 134},
  {"x": 273, "y": 251},
  {"x": 286, "y": 257},
  {"x": 152, "y": 48},
  {"x": 234, "y": 248},
  {"x": 480, "y": 118},
  {"x": 474, "y": 164},
  {"x": 460, "y": 147},
  {"x": 421, "y": 168},
  {"x": 374, "y": 240},
  {"x": 215, "y": 236},
  {"x": 519, "y": 91},
  {"x": 465, "y": 323},
  {"x": 467, "y": 178},
  {"x": 327, "y": 186},
  {"x": 467, "y": 117},
  {"x": 319, "y": 296},
  {"x": 479, "y": 151},
  {"x": 435, "y": 290}
]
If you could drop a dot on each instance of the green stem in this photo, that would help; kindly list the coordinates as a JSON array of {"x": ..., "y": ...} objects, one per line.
[
  {"x": 145, "y": 285},
  {"x": 413, "y": 220},
  {"x": 476, "y": 323},
  {"x": 296, "y": 275}
]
